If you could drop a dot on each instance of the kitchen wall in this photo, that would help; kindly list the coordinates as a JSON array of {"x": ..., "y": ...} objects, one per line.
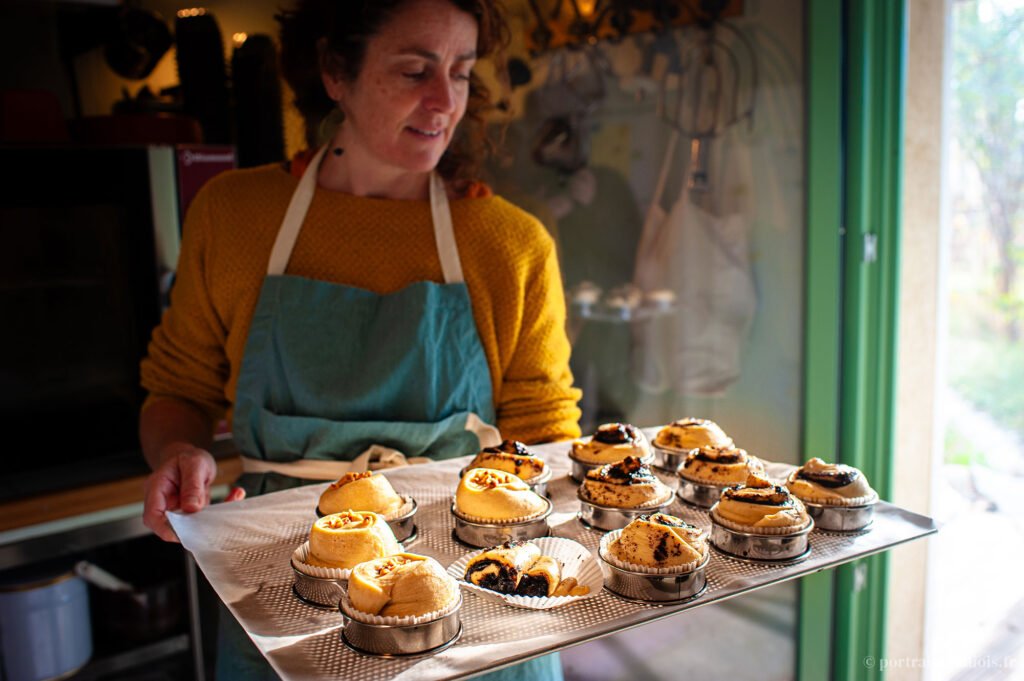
[{"x": 597, "y": 215}]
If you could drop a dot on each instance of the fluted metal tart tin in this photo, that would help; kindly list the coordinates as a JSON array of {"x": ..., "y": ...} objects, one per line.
[
  {"x": 779, "y": 549},
  {"x": 403, "y": 527},
  {"x": 484, "y": 535},
  {"x": 699, "y": 493},
  {"x": 841, "y": 518},
  {"x": 320, "y": 592},
  {"x": 600, "y": 517},
  {"x": 403, "y": 641},
  {"x": 668, "y": 459},
  {"x": 581, "y": 468},
  {"x": 538, "y": 484},
  {"x": 658, "y": 589}
]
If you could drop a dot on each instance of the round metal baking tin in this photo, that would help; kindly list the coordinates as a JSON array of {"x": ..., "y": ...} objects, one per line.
[
  {"x": 581, "y": 468},
  {"x": 699, "y": 494},
  {"x": 485, "y": 535},
  {"x": 403, "y": 527},
  {"x": 600, "y": 517},
  {"x": 779, "y": 549},
  {"x": 538, "y": 484},
  {"x": 403, "y": 641},
  {"x": 668, "y": 459},
  {"x": 841, "y": 518},
  {"x": 320, "y": 592},
  {"x": 658, "y": 589}
]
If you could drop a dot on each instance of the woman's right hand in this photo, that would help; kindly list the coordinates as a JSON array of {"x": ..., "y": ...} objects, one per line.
[{"x": 181, "y": 482}]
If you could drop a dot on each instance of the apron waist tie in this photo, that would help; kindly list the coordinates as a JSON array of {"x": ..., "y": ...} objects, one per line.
[{"x": 375, "y": 457}]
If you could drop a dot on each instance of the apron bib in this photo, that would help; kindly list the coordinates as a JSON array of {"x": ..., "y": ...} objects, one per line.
[{"x": 333, "y": 373}]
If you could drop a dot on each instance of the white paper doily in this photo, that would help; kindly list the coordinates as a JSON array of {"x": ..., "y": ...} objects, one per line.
[{"x": 577, "y": 561}]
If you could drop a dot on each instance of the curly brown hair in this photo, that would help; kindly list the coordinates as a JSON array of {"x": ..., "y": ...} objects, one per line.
[{"x": 333, "y": 34}]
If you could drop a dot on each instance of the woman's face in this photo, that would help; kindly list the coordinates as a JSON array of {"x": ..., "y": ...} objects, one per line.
[{"x": 402, "y": 109}]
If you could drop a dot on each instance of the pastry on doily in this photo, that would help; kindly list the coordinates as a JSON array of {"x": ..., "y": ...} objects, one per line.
[
  {"x": 343, "y": 540},
  {"x": 625, "y": 484},
  {"x": 831, "y": 484},
  {"x": 515, "y": 567},
  {"x": 610, "y": 443},
  {"x": 760, "y": 507},
  {"x": 490, "y": 495}
]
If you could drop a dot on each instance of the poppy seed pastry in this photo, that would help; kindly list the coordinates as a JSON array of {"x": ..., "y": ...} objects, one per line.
[
  {"x": 659, "y": 541},
  {"x": 625, "y": 484},
  {"x": 689, "y": 433},
  {"x": 719, "y": 465},
  {"x": 402, "y": 585},
  {"x": 760, "y": 507},
  {"x": 512, "y": 457},
  {"x": 361, "y": 492},
  {"x": 493, "y": 495},
  {"x": 343, "y": 540},
  {"x": 612, "y": 442},
  {"x": 515, "y": 567},
  {"x": 830, "y": 484}
]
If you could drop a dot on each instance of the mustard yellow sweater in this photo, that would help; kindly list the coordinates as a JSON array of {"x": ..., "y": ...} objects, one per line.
[{"x": 508, "y": 260}]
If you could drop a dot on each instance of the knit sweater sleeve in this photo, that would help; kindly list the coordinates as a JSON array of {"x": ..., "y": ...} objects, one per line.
[
  {"x": 538, "y": 402},
  {"x": 186, "y": 358}
]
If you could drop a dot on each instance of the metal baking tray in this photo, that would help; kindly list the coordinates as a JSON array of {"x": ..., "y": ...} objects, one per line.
[{"x": 244, "y": 549}]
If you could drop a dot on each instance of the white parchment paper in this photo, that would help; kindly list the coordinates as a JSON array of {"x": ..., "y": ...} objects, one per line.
[{"x": 244, "y": 549}]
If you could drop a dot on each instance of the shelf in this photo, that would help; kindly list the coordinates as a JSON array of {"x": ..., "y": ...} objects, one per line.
[{"x": 119, "y": 662}]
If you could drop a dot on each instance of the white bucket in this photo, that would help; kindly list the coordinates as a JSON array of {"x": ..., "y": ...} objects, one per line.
[{"x": 45, "y": 631}]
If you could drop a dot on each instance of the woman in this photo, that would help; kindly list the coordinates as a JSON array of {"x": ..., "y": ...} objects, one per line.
[{"x": 369, "y": 294}]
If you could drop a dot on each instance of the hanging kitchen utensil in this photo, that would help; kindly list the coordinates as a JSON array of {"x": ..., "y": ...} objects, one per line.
[
  {"x": 566, "y": 101},
  {"x": 716, "y": 83}
]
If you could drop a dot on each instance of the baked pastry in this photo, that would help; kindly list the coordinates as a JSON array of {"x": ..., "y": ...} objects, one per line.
[
  {"x": 719, "y": 465},
  {"x": 343, "y": 540},
  {"x": 512, "y": 457},
  {"x": 760, "y": 507},
  {"x": 515, "y": 567},
  {"x": 402, "y": 585},
  {"x": 689, "y": 433},
  {"x": 831, "y": 484},
  {"x": 498, "y": 496},
  {"x": 361, "y": 492},
  {"x": 626, "y": 484},
  {"x": 612, "y": 442},
  {"x": 660, "y": 540}
]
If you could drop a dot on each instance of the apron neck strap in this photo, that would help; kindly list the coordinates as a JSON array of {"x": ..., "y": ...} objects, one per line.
[
  {"x": 444, "y": 231},
  {"x": 440, "y": 212}
]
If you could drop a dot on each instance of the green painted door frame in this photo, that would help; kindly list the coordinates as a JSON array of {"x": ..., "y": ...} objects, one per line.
[{"x": 855, "y": 57}]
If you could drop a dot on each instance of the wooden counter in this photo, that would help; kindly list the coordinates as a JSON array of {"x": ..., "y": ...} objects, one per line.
[{"x": 89, "y": 499}]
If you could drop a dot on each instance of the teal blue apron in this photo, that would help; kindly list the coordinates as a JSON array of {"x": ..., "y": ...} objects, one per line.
[{"x": 330, "y": 371}]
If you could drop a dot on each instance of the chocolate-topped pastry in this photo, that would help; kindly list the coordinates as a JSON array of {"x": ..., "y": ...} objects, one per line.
[
  {"x": 689, "y": 433},
  {"x": 617, "y": 433},
  {"x": 625, "y": 484},
  {"x": 515, "y": 567},
  {"x": 510, "y": 447},
  {"x": 719, "y": 465},
  {"x": 831, "y": 484},
  {"x": 760, "y": 507},
  {"x": 512, "y": 457},
  {"x": 612, "y": 442},
  {"x": 660, "y": 541}
]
